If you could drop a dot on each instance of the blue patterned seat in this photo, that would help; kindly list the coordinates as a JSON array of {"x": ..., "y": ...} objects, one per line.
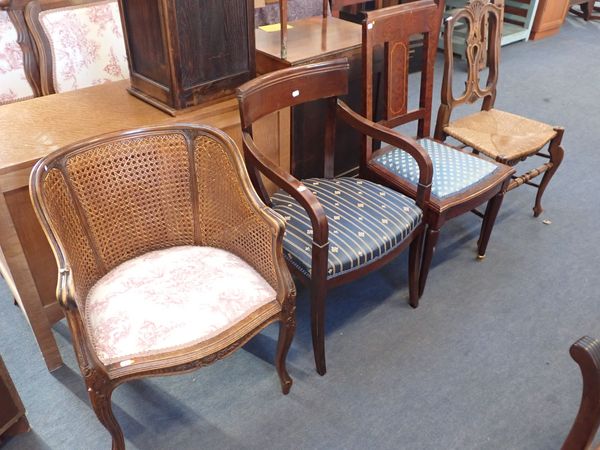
[
  {"x": 453, "y": 171},
  {"x": 365, "y": 220}
]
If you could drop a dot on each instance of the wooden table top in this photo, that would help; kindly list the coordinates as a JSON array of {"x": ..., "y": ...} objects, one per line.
[
  {"x": 33, "y": 128},
  {"x": 310, "y": 38}
]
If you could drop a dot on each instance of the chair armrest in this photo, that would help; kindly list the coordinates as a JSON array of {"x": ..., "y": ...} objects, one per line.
[
  {"x": 404, "y": 143},
  {"x": 292, "y": 186}
]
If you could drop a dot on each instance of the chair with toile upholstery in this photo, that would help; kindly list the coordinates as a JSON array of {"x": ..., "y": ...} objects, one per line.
[
  {"x": 168, "y": 260},
  {"x": 461, "y": 181},
  {"x": 499, "y": 135},
  {"x": 338, "y": 229},
  {"x": 79, "y": 43},
  {"x": 19, "y": 73},
  {"x": 586, "y": 353}
]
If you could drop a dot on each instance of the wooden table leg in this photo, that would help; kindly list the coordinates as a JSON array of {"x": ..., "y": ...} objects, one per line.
[{"x": 29, "y": 298}]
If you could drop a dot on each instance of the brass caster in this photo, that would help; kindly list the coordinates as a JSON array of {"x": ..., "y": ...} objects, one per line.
[{"x": 480, "y": 257}]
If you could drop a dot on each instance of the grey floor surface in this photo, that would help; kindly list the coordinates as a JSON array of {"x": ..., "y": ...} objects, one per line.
[{"x": 482, "y": 364}]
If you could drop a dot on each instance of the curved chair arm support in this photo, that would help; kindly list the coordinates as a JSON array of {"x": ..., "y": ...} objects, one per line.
[
  {"x": 293, "y": 187},
  {"x": 586, "y": 353},
  {"x": 405, "y": 143}
]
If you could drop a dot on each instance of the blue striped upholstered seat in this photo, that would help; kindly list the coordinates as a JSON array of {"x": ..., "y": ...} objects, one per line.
[
  {"x": 365, "y": 222},
  {"x": 453, "y": 171}
]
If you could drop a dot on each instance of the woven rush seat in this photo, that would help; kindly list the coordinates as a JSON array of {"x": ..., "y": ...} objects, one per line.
[
  {"x": 501, "y": 135},
  {"x": 453, "y": 170},
  {"x": 175, "y": 298},
  {"x": 365, "y": 221}
]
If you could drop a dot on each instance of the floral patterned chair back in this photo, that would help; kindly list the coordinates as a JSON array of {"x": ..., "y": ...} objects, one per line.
[
  {"x": 79, "y": 45},
  {"x": 14, "y": 85}
]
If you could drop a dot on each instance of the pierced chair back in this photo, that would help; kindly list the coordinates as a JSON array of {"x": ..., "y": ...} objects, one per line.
[
  {"x": 483, "y": 20},
  {"x": 79, "y": 43},
  {"x": 19, "y": 73}
]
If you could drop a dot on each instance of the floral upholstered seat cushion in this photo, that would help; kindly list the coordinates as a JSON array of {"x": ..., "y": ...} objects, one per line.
[
  {"x": 365, "y": 221},
  {"x": 13, "y": 82},
  {"x": 88, "y": 47},
  {"x": 171, "y": 299},
  {"x": 453, "y": 171}
]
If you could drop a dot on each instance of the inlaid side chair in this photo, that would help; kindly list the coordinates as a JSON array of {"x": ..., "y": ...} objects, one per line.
[
  {"x": 79, "y": 43},
  {"x": 586, "y": 353},
  {"x": 168, "y": 260},
  {"x": 461, "y": 181},
  {"x": 499, "y": 135},
  {"x": 338, "y": 229},
  {"x": 19, "y": 73}
]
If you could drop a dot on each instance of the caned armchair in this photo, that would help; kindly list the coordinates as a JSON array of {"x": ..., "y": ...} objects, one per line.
[{"x": 168, "y": 260}]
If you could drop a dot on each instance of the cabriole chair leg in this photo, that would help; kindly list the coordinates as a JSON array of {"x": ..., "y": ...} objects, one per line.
[
  {"x": 100, "y": 393},
  {"x": 556, "y": 156},
  {"x": 286, "y": 334}
]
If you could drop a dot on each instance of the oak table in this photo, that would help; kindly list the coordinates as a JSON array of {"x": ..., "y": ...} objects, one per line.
[{"x": 31, "y": 129}]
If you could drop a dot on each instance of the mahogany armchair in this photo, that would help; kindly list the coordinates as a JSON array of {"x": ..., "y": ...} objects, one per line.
[
  {"x": 499, "y": 135},
  {"x": 168, "y": 260},
  {"x": 338, "y": 229},
  {"x": 461, "y": 181},
  {"x": 79, "y": 43},
  {"x": 19, "y": 73},
  {"x": 586, "y": 353}
]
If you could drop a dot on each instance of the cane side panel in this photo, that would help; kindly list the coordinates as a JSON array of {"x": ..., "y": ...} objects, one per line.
[
  {"x": 227, "y": 218},
  {"x": 69, "y": 231}
]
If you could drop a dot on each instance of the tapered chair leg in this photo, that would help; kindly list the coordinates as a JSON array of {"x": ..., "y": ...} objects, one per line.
[
  {"x": 287, "y": 328},
  {"x": 100, "y": 393},
  {"x": 414, "y": 266},
  {"x": 431, "y": 239},
  {"x": 318, "y": 294},
  {"x": 556, "y": 156},
  {"x": 489, "y": 219}
]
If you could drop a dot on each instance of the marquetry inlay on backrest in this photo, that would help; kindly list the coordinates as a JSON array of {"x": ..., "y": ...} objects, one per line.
[
  {"x": 389, "y": 31},
  {"x": 483, "y": 20},
  {"x": 14, "y": 83},
  {"x": 80, "y": 44}
]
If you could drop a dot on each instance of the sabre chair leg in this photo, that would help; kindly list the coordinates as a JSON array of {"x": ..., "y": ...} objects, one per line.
[
  {"x": 414, "y": 261},
  {"x": 317, "y": 323},
  {"x": 100, "y": 392},
  {"x": 287, "y": 327},
  {"x": 556, "y": 157},
  {"x": 489, "y": 219},
  {"x": 431, "y": 239}
]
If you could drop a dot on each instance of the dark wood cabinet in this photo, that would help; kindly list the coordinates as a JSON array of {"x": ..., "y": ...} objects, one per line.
[
  {"x": 12, "y": 412},
  {"x": 183, "y": 53}
]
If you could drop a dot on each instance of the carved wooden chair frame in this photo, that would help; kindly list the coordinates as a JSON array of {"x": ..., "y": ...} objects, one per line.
[
  {"x": 485, "y": 18},
  {"x": 43, "y": 47},
  {"x": 16, "y": 13},
  {"x": 297, "y": 85},
  {"x": 381, "y": 30},
  {"x": 102, "y": 379},
  {"x": 586, "y": 353}
]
